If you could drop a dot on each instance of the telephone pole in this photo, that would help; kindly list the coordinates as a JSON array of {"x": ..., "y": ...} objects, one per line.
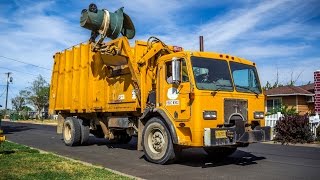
[{"x": 8, "y": 81}]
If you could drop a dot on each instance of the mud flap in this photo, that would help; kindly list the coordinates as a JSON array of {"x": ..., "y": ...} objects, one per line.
[
  {"x": 60, "y": 124},
  {"x": 140, "y": 130}
]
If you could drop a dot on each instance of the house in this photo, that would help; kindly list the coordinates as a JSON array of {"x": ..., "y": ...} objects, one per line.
[
  {"x": 299, "y": 97},
  {"x": 317, "y": 91}
]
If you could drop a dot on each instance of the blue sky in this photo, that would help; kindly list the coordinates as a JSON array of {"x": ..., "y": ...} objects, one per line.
[{"x": 281, "y": 35}]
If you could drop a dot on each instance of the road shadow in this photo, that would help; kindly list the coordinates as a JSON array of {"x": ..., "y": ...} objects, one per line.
[
  {"x": 13, "y": 129},
  {"x": 7, "y": 152},
  {"x": 132, "y": 145},
  {"x": 198, "y": 158},
  {"x": 194, "y": 157}
]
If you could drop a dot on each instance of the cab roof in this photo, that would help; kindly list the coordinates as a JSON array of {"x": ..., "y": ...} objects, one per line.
[{"x": 216, "y": 55}]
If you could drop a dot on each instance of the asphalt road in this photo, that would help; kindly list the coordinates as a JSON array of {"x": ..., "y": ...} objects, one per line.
[{"x": 258, "y": 161}]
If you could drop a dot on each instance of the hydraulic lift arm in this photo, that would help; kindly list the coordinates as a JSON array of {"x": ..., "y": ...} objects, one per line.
[{"x": 121, "y": 47}]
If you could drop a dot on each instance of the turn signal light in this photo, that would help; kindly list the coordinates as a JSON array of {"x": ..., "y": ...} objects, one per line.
[
  {"x": 258, "y": 115},
  {"x": 207, "y": 115}
]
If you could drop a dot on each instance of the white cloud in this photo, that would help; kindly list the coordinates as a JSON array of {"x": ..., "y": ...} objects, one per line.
[
  {"x": 269, "y": 51},
  {"x": 287, "y": 69},
  {"x": 267, "y": 32},
  {"x": 236, "y": 23},
  {"x": 32, "y": 36}
]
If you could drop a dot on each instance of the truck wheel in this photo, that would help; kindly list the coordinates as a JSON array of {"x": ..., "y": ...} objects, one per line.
[
  {"x": 71, "y": 131},
  {"x": 157, "y": 142},
  {"x": 85, "y": 131},
  {"x": 220, "y": 152}
]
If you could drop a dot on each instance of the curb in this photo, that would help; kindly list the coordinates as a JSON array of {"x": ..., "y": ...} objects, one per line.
[
  {"x": 290, "y": 144},
  {"x": 82, "y": 162},
  {"x": 29, "y": 122}
]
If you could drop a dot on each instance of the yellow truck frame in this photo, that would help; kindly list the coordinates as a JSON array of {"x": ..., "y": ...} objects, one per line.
[
  {"x": 2, "y": 136},
  {"x": 162, "y": 94}
]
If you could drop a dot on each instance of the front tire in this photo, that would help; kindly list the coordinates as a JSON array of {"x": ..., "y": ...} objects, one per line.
[
  {"x": 85, "y": 131},
  {"x": 157, "y": 143},
  {"x": 71, "y": 131}
]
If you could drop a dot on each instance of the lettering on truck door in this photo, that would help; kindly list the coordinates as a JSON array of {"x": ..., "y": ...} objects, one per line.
[{"x": 175, "y": 97}]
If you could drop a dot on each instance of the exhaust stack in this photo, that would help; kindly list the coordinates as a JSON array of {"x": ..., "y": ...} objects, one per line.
[{"x": 201, "y": 43}]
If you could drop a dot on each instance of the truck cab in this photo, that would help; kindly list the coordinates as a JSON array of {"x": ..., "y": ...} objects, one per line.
[{"x": 212, "y": 99}]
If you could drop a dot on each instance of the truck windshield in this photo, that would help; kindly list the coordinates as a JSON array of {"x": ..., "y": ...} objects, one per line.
[
  {"x": 211, "y": 74},
  {"x": 245, "y": 78}
]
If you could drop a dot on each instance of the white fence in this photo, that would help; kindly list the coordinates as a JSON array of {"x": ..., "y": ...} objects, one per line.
[{"x": 314, "y": 121}]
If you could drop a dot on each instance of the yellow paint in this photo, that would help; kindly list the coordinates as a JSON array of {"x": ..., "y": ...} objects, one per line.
[
  {"x": 83, "y": 83},
  {"x": 2, "y": 137}
]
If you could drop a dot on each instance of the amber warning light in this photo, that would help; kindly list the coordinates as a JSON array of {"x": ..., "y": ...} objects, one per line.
[{"x": 177, "y": 49}]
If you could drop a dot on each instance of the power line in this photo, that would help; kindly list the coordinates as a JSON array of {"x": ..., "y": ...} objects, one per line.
[
  {"x": 13, "y": 94},
  {"x": 20, "y": 71},
  {"x": 25, "y": 63},
  {"x": 4, "y": 90}
]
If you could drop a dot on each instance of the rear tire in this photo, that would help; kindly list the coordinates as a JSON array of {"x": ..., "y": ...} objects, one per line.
[
  {"x": 85, "y": 131},
  {"x": 157, "y": 143},
  {"x": 220, "y": 152},
  {"x": 71, "y": 131}
]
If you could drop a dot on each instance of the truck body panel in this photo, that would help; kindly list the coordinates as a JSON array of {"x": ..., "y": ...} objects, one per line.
[{"x": 80, "y": 84}]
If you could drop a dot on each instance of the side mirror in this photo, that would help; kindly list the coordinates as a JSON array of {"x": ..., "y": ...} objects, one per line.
[{"x": 176, "y": 70}]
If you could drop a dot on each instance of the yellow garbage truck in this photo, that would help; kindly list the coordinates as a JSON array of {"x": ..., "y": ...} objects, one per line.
[{"x": 169, "y": 98}]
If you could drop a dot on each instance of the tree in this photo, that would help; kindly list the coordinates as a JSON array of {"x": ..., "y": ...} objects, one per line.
[
  {"x": 285, "y": 110},
  {"x": 38, "y": 94},
  {"x": 20, "y": 100},
  {"x": 292, "y": 82}
]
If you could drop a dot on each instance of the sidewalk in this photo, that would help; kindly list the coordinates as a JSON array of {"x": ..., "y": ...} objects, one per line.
[
  {"x": 316, "y": 145},
  {"x": 44, "y": 122}
]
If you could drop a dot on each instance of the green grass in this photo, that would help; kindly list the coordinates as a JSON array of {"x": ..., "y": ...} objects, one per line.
[{"x": 22, "y": 162}]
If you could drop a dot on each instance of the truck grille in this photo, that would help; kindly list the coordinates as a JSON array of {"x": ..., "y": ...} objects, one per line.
[{"x": 235, "y": 106}]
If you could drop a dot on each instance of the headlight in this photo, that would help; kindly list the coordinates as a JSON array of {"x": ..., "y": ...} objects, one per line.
[
  {"x": 258, "y": 115},
  {"x": 209, "y": 115}
]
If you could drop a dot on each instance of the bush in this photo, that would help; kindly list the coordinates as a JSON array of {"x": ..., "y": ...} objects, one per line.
[
  {"x": 318, "y": 134},
  {"x": 293, "y": 129},
  {"x": 285, "y": 110}
]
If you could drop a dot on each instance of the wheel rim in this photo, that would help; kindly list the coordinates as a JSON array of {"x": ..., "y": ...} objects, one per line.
[
  {"x": 157, "y": 142},
  {"x": 67, "y": 132}
]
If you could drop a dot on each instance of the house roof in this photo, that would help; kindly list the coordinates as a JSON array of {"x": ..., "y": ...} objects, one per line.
[
  {"x": 288, "y": 91},
  {"x": 308, "y": 87}
]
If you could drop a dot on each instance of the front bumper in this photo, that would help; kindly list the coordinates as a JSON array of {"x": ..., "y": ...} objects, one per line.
[{"x": 234, "y": 136}]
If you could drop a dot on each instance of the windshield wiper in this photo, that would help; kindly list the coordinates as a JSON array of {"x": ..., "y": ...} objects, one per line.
[
  {"x": 247, "y": 88},
  {"x": 214, "y": 92}
]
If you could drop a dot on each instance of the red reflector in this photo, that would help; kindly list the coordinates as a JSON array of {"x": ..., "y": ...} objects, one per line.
[
  {"x": 177, "y": 49},
  {"x": 192, "y": 96}
]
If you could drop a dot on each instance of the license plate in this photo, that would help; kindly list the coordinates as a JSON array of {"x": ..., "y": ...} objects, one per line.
[{"x": 221, "y": 134}]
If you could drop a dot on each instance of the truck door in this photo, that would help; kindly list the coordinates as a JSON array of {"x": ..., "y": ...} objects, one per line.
[{"x": 175, "y": 97}]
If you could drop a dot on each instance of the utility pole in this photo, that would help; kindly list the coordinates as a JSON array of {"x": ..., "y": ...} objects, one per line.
[{"x": 8, "y": 81}]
